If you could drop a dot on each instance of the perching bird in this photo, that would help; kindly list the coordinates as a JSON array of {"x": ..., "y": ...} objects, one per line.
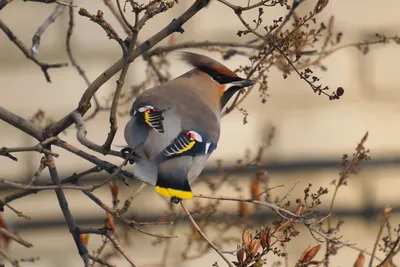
[{"x": 175, "y": 126}]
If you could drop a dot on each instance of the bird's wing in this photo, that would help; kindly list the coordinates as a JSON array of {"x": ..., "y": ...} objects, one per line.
[
  {"x": 151, "y": 117},
  {"x": 187, "y": 143},
  {"x": 175, "y": 147}
]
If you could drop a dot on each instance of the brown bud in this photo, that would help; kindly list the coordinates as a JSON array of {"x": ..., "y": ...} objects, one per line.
[
  {"x": 299, "y": 209},
  {"x": 309, "y": 254},
  {"x": 110, "y": 221},
  {"x": 85, "y": 239},
  {"x": 83, "y": 12},
  {"x": 254, "y": 246},
  {"x": 339, "y": 91},
  {"x": 114, "y": 190},
  {"x": 255, "y": 188},
  {"x": 3, "y": 224},
  {"x": 321, "y": 4},
  {"x": 100, "y": 13},
  {"x": 360, "y": 260},
  {"x": 387, "y": 211},
  {"x": 245, "y": 238},
  {"x": 304, "y": 254},
  {"x": 243, "y": 210},
  {"x": 266, "y": 238},
  {"x": 240, "y": 255},
  {"x": 330, "y": 26}
]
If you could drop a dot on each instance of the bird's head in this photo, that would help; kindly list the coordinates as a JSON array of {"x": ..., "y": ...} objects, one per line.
[{"x": 229, "y": 82}]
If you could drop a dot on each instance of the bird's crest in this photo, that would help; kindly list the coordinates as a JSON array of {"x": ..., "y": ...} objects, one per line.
[{"x": 206, "y": 63}]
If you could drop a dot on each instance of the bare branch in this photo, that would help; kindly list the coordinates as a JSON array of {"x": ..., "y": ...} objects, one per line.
[
  {"x": 28, "y": 53},
  {"x": 84, "y": 103},
  {"x": 118, "y": 246},
  {"x": 96, "y": 259},
  {"x": 36, "y": 38},
  {"x": 73, "y": 228},
  {"x": 15, "y": 238},
  {"x": 204, "y": 236},
  {"x": 81, "y": 136},
  {"x": 19, "y": 213},
  {"x": 21, "y": 124}
]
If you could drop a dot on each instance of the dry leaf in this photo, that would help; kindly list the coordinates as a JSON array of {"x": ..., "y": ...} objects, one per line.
[
  {"x": 255, "y": 188},
  {"x": 360, "y": 260},
  {"x": 114, "y": 190},
  {"x": 85, "y": 239},
  {"x": 309, "y": 254},
  {"x": 110, "y": 221},
  {"x": 3, "y": 224}
]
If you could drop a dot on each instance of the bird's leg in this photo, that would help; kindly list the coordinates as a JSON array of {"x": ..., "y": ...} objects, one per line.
[{"x": 175, "y": 200}]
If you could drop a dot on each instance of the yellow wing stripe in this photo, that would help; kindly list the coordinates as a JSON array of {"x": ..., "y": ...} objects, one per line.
[
  {"x": 169, "y": 192},
  {"x": 147, "y": 117},
  {"x": 186, "y": 148}
]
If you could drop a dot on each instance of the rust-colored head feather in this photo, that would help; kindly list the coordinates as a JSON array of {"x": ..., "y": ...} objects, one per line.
[{"x": 204, "y": 62}]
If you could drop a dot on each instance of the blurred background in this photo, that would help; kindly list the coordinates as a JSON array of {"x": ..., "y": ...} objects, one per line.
[{"x": 312, "y": 133}]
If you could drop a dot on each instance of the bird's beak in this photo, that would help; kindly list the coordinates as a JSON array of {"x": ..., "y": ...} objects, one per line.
[{"x": 242, "y": 83}]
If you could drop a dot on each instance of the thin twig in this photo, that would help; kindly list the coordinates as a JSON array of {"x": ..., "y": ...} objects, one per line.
[
  {"x": 378, "y": 237},
  {"x": 108, "y": 167},
  {"x": 391, "y": 253},
  {"x": 28, "y": 53},
  {"x": 100, "y": 250},
  {"x": 42, "y": 166},
  {"x": 114, "y": 11},
  {"x": 26, "y": 192},
  {"x": 84, "y": 103},
  {"x": 129, "y": 200},
  {"x": 74, "y": 62},
  {"x": 19, "y": 213},
  {"x": 15, "y": 238},
  {"x": 73, "y": 228},
  {"x": 36, "y": 38},
  {"x": 272, "y": 206},
  {"x": 81, "y": 136},
  {"x": 96, "y": 259},
  {"x": 8, "y": 258},
  {"x": 204, "y": 236},
  {"x": 118, "y": 246}
]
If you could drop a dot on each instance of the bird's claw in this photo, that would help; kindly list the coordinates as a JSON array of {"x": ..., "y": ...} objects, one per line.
[
  {"x": 127, "y": 151},
  {"x": 175, "y": 200}
]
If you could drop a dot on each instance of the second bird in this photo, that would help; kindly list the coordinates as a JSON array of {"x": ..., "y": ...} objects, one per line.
[{"x": 176, "y": 126}]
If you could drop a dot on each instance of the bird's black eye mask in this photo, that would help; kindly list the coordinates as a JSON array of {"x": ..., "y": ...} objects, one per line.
[{"x": 218, "y": 77}]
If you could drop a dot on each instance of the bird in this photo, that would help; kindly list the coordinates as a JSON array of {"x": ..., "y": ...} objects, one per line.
[{"x": 175, "y": 126}]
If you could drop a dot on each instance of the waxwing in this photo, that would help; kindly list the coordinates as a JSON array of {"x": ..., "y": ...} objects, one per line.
[{"x": 175, "y": 126}]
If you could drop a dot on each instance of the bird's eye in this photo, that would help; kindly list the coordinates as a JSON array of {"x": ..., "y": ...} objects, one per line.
[{"x": 217, "y": 78}]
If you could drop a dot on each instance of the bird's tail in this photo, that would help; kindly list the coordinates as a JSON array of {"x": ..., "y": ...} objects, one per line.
[{"x": 170, "y": 186}]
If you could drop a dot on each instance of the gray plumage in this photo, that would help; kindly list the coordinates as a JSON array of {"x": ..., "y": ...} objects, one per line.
[
  {"x": 176, "y": 126},
  {"x": 183, "y": 110}
]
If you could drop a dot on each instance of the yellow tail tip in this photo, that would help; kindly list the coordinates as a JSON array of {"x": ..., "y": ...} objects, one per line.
[{"x": 170, "y": 192}]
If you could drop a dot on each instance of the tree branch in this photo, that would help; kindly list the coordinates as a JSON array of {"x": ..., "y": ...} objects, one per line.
[
  {"x": 22, "y": 124},
  {"x": 84, "y": 103},
  {"x": 15, "y": 238},
  {"x": 28, "y": 53},
  {"x": 73, "y": 228},
  {"x": 204, "y": 236}
]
